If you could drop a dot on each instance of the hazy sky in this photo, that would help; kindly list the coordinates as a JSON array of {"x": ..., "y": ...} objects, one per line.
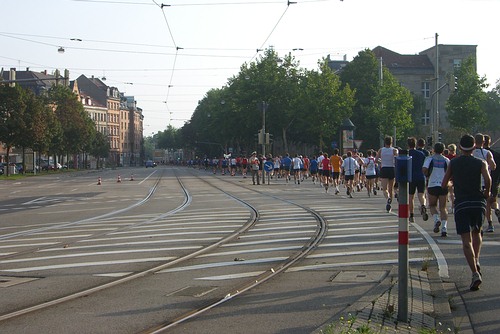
[{"x": 169, "y": 57}]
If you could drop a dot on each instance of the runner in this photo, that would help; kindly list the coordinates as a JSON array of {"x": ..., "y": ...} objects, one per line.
[
  {"x": 470, "y": 203},
  {"x": 313, "y": 169},
  {"x": 296, "y": 165},
  {"x": 484, "y": 154},
  {"x": 287, "y": 164},
  {"x": 244, "y": 166},
  {"x": 387, "y": 156},
  {"x": 336, "y": 162},
  {"x": 370, "y": 172},
  {"x": 349, "y": 167},
  {"x": 276, "y": 166},
  {"x": 326, "y": 167},
  {"x": 435, "y": 167},
  {"x": 492, "y": 203},
  {"x": 417, "y": 183}
]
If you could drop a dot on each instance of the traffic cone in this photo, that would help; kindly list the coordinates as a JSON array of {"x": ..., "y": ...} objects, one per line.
[
  {"x": 99, "y": 182},
  {"x": 119, "y": 179},
  {"x": 131, "y": 177}
]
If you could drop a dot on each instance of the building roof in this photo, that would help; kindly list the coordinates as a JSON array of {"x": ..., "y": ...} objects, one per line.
[{"x": 395, "y": 61}]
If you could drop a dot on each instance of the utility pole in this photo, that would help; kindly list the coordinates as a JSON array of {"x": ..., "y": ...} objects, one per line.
[{"x": 435, "y": 128}]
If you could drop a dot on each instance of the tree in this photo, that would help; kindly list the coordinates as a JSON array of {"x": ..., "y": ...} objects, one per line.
[
  {"x": 77, "y": 127},
  {"x": 491, "y": 107},
  {"x": 100, "y": 147},
  {"x": 12, "y": 108},
  {"x": 325, "y": 104},
  {"x": 464, "y": 104},
  {"x": 382, "y": 103},
  {"x": 38, "y": 123}
]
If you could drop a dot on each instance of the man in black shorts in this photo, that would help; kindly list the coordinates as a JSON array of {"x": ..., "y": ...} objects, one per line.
[{"x": 470, "y": 203}]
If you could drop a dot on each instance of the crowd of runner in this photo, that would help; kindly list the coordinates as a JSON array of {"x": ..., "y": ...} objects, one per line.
[{"x": 372, "y": 172}]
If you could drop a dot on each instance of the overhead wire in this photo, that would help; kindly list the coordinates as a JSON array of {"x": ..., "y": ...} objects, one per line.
[
  {"x": 177, "y": 48},
  {"x": 272, "y": 31}
]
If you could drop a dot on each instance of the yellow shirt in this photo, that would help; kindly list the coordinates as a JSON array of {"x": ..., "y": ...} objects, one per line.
[{"x": 336, "y": 162}]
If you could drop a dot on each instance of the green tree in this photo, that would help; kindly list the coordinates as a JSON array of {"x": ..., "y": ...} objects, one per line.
[
  {"x": 100, "y": 147},
  {"x": 38, "y": 123},
  {"x": 491, "y": 107},
  {"x": 464, "y": 104},
  {"x": 325, "y": 103},
  {"x": 12, "y": 109},
  {"x": 77, "y": 127},
  {"x": 382, "y": 104}
]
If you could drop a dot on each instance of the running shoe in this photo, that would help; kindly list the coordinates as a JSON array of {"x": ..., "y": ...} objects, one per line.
[
  {"x": 444, "y": 234},
  {"x": 423, "y": 211},
  {"x": 388, "y": 205},
  {"x": 476, "y": 281},
  {"x": 490, "y": 228},
  {"x": 350, "y": 196},
  {"x": 411, "y": 219},
  {"x": 436, "y": 226},
  {"x": 348, "y": 192},
  {"x": 337, "y": 192},
  {"x": 374, "y": 191}
]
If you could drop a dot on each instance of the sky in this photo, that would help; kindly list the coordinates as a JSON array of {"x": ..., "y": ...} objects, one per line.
[{"x": 168, "y": 57}]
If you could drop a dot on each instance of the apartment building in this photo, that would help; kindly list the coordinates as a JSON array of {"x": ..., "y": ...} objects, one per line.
[{"x": 115, "y": 115}]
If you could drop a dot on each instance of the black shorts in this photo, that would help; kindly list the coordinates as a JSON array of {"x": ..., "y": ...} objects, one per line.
[
  {"x": 336, "y": 175},
  {"x": 387, "y": 173},
  {"x": 437, "y": 191},
  {"x": 494, "y": 189},
  {"x": 313, "y": 171},
  {"x": 348, "y": 177},
  {"x": 416, "y": 186},
  {"x": 325, "y": 172},
  {"x": 469, "y": 215},
  {"x": 371, "y": 177}
]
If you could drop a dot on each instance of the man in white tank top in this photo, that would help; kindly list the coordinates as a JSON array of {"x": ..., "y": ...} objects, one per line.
[{"x": 386, "y": 156}]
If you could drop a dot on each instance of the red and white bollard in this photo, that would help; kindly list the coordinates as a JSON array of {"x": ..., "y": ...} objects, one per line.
[{"x": 403, "y": 176}]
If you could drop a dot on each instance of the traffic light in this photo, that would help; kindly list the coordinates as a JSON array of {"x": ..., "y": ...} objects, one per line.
[
  {"x": 261, "y": 137},
  {"x": 440, "y": 137},
  {"x": 455, "y": 83}
]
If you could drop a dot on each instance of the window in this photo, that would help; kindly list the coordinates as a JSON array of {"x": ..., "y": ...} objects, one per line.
[
  {"x": 457, "y": 63},
  {"x": 426, "y": 89},
  {"x": 426, "y": 118}
]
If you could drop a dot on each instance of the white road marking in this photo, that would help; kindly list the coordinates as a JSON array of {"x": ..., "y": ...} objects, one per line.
[
  {"x": 231, "y": 276},
  {"x": 88, "y": 264},
  {"x": 349, "y": 264}
]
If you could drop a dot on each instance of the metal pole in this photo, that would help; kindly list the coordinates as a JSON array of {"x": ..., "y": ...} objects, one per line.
[
  {"x": 436, "y": 116},
  {"x": 264, "y": 105},
  {"x": 403, "y": 172}
]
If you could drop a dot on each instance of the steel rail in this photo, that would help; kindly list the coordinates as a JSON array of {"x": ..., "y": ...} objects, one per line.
[
  {"x": 267, "y": 275},
  {"x": 250, "y": 222}
]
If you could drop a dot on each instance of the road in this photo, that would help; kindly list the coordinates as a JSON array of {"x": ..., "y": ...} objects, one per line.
[{"x": 164, "y": 243}]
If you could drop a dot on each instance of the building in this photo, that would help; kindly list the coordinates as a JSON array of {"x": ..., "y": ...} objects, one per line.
[
  {"x": 115, "y": 116},
  {"x": 39, "y": 83},
  {"x": 429, "y": 74}
]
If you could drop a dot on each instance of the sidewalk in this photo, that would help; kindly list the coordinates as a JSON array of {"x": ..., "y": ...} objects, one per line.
[{"x": 428, "y": 306}]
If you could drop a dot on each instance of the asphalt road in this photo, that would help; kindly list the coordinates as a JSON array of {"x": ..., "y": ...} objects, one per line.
[{"x": 65, "y": 233}]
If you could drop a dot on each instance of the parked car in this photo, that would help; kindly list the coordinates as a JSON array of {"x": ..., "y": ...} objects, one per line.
[{"x": 150, "y": 163}]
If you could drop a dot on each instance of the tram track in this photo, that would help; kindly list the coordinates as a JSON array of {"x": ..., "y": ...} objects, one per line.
[{"x": 251, "y": 221}]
